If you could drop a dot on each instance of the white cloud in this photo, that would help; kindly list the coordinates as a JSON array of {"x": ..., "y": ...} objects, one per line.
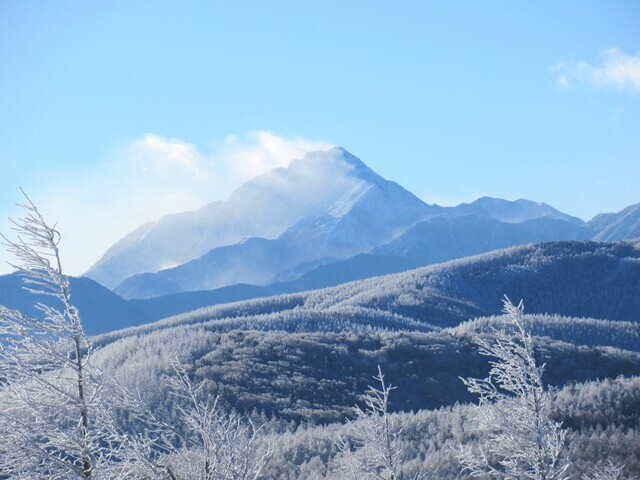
[
  {"x": 153, "y": 151},
  {"x": 614, "y": 68},
  {"x": 259, "y": 152},
  {"x": 149, "y": 178}
]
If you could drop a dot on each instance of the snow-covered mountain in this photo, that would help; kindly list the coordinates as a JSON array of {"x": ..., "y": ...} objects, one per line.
[
  {"x": 451, "y": 236},
  {"x": 511, "y": 211},
  {"x": 328, "y": 204},
  {"x": 324, "y": 220},
  {"x": 310, "y": 250},
  {"x": 608, "y": 227}
]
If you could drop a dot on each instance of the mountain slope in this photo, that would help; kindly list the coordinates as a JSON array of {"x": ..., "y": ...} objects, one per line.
[
  {"x": 585, "y": 279},
  {"x": 448, "y": 237},
  {"x": 324, "y": 345},
  {"x": 450, "y": 234},
  {"x": 316, "y": 223},
  {"x": 100, "y": 309},
  {"x": 325, "y": 196},
  {"x": 608, "y": 227},
  {"x": 355, "y": 268},
  {"x": 317, "y": 377},
  {"x": 435, "y": 240},
  {"x": 365, "y": 212},
  {"x": 577, "y": 279}
]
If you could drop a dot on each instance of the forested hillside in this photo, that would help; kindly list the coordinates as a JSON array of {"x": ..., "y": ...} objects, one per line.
[
  {"x": 581, "y": 279},
  {"x": 318, "y": 377},
  {"x": 305, "y": 359},
  {"x": 602, "y": 418}
]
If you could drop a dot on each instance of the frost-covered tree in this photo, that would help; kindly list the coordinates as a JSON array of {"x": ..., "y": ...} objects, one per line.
[
  {"x": 518, "y": 438},
  {"x": 58, "y": 411},
  {"x": 207, "y": 443},
  {"x": 372, "y": 452},
  {"x": 53, "y": 422},
  {"x": 609, "y": 471}
]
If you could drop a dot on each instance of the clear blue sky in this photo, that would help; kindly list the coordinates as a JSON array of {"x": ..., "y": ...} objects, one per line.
[{"x": 453, "y": 100}]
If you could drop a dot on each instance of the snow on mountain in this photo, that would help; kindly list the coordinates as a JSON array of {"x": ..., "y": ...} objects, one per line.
[
  {"x": 322, "y": 209},
  {"x": 431, "y": 241},
  {"x": 329, "y": 199},
  {"x": 624, "y": 224},
  {"x": 451, "y": 236},
  {"x": 365, "y": 212},
  {"x": 511, "y": 211}
]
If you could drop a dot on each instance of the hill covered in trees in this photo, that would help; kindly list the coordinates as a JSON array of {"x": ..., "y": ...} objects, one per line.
[
  {"x": 580, "y": 279},
  {"x": 301, "y": 361}
]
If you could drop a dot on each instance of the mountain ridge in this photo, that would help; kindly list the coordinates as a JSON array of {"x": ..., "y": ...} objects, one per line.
[
  {"x": 101, "y": 310},
  {"x": 620, "y": 225},
  {"x": 280, "y": 229},
  {"x": 571, "y": 278}
]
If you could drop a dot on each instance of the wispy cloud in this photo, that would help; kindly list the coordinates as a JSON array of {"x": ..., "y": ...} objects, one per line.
[
  {"x": 258, "y": 152},
  {"x": 613, "y": 69},
  {"x": 151, "y": 177}
]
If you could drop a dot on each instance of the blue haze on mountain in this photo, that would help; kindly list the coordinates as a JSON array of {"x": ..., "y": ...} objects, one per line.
[{"x": 100, "y": 309}]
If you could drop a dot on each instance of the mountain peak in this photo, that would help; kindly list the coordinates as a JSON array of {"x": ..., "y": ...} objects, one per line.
[
  {"x": 337, "y": 154},
  {"x": 348, "y": 157},
  {"x": 318, "y": 189}
]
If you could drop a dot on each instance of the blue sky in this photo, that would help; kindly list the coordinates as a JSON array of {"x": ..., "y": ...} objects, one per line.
[{"x": 115, "y": 113}]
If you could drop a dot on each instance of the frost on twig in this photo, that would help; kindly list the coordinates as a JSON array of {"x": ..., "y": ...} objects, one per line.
[
  {"x": 518, "y": 438},
  {"x": 206, "y": 443},
  {"x": 609, "y": 471},
  {"x": 373, "y": 453},
  {"x": 52, "y": 420}
]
